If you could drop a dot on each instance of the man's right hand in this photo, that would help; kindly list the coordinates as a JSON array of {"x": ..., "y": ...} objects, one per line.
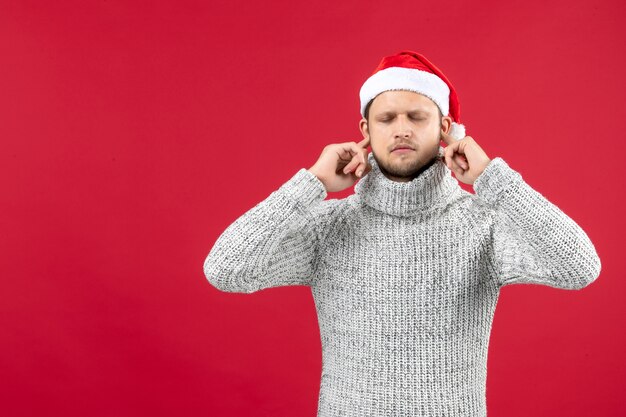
[{"x": 341, "y": 164}]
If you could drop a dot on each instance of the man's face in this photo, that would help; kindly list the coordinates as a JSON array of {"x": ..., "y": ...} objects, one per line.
[{"x": 404, "y": 118}]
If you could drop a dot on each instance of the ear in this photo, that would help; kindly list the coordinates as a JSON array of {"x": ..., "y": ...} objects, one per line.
[
  {"x": 364, "y": 128},
  {"x": 446, "y": 124}
]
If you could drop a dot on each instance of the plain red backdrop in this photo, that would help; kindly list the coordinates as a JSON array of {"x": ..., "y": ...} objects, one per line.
[{"x": 134, "y": 132}]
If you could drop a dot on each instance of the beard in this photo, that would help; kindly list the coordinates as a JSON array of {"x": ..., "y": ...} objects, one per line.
[{"x": 407, "y": 169}]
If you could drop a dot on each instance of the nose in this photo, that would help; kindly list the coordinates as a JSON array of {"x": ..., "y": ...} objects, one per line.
[{"x": 402, "y": 129}]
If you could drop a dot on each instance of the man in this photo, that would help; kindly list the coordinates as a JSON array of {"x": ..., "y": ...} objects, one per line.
[{"x": 406, "y": 272}]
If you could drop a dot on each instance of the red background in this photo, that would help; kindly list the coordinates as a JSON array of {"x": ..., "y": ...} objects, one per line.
[{"x": 134, "y": 133}]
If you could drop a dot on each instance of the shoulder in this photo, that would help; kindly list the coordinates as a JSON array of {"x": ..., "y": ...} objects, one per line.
[
  {"x": 477, "y": 214},
  {"x": 337, "y": 213},
  {"x": 328, "y": 208}
]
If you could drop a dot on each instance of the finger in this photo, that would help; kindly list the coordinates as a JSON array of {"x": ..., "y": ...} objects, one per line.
[
  {"x": 447, "y": 139},
  {"x": 352, "y": 166},
  {"x": 358, "y": 154},
  {"x": 461, "y": 161},
  {"x": 454, "y": 166},
  {"x": 449, "y": 155},
  {"x": 354, "y": 163},
  {"x": 347, "y": 150},
  {"x": 353, "y": 148},
  {"x": 362, "y": 164},
  {"x": 363, "y": 169},
  {"x": 451, "y": 150},
  {"x": 366, "y": 170},
  {"x": 365, "y": 142},
  {"x": 459, "y": 153}
]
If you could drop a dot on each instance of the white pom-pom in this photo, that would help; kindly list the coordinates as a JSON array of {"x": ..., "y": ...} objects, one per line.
[{"x": 457, "y": 131}]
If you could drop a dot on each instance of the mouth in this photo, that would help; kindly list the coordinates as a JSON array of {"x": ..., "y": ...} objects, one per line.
[{"x": 402, "y": 149}]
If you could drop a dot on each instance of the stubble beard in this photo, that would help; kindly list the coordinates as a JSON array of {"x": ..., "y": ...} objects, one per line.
[{"x": 407, "y": 168}]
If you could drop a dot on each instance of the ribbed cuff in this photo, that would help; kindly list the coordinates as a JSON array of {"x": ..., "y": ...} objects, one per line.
[
  {"x": 305, "y": 188},
  {"x": 495, "y": 179}
]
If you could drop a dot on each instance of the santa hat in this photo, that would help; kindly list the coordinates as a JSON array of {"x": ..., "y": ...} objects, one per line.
[{"x": 408, "y": 70}]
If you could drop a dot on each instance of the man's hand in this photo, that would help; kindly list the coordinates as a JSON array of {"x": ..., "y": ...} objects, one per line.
[
  {"x": 341, "y": 164},
  {"x": 464, "y": 157}
]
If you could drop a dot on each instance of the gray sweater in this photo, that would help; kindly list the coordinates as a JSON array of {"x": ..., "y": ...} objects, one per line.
[{"x": 405, "y": 278}]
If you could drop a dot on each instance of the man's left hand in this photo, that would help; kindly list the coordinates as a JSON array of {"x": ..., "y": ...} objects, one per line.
[{"x": 464, "y": 157}]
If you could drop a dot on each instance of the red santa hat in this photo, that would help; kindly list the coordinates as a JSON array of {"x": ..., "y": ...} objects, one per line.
[{"x": 409, "y": 70}]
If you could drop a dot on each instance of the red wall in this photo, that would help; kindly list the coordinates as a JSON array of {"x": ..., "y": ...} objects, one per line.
[{"x": 134, "y": 133}]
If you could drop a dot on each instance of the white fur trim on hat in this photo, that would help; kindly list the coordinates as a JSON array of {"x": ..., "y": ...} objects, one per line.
[
  {"x": 411, "y": 79},
  {"x": 457, "y": 131}
]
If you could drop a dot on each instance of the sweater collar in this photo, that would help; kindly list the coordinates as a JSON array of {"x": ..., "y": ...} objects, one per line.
[{"x": 433, "y": 188}]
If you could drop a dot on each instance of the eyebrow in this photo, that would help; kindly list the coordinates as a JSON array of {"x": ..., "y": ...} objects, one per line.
[{"x": 412, "y": 112}]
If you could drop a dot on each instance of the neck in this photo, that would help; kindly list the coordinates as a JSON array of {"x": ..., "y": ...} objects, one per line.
[{"x": 431, "y": 188}]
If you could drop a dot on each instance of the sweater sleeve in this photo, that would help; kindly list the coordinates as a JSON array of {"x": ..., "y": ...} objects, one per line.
[
  {"x": 532, "y": 240},
  {"x": 275, "y": 243}
]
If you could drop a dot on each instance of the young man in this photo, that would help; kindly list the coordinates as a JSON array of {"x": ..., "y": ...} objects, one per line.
[{"x": 406, "y": 272}]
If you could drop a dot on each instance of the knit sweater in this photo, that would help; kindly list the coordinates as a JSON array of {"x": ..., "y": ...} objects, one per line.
[{"x": 405, "y": 278}]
